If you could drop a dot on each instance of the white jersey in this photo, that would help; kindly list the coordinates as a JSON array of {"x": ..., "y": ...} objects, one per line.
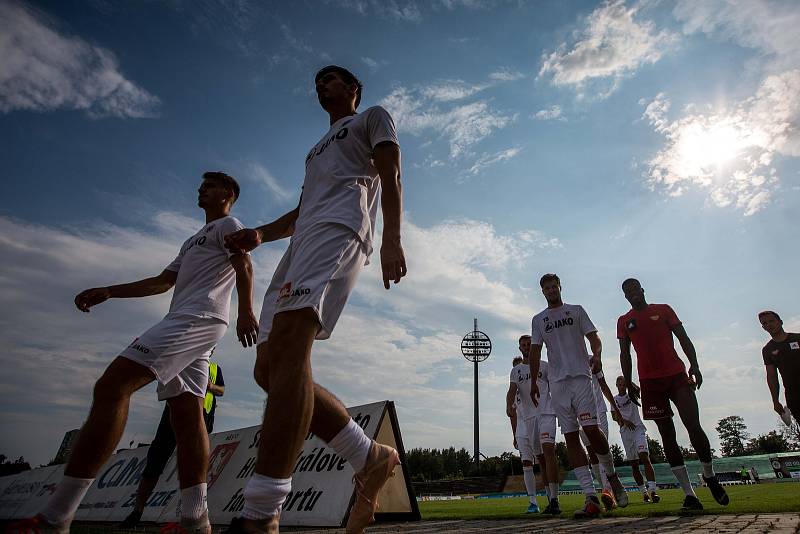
[
  {"x": 341, "y": 183},
  {"x": 205, "y": 274},
  {"x": 545, "y": 405},
  {"x": 628, "y": 409},
  {"x": 562, "y": 330},
  {"x": 521, "y": 376}
]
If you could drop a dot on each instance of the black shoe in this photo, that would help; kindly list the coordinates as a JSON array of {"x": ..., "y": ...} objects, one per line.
[
  {"x": 591, "y": 508},
  {"x": 132, "y": 521},
  {"x": 235, "y": 527},
  {"x": 691, "y": 504},
  {"x": 553, "y": 508},
  {"x": 717, "y": 491}
]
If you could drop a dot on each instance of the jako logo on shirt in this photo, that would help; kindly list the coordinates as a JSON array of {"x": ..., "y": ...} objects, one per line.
[
  {"x": 558, "y": 323},
  {"x": 141, "y": 348},
  {"x": 199, "y": 241}
]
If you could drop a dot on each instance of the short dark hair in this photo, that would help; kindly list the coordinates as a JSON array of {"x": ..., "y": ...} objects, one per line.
[
  {"x": 769, "y": 312},
  {"x": 348, "y": 77},
  {"x": 517, "y": 360},
  {"x": 630, "y": 281},
  {"x": 524, "y": 336},
  {"x": 549, "y": 277},
  {"x": 224, "y": 179}
]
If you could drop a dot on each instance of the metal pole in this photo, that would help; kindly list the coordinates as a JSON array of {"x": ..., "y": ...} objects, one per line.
[{"x": 477, "y": 441}]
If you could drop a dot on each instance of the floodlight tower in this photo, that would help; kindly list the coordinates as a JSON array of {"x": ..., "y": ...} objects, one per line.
[{"x": 476, "y": 347}]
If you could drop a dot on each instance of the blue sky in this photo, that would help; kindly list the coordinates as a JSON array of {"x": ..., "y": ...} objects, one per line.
[{"x": 596, "y": 140}]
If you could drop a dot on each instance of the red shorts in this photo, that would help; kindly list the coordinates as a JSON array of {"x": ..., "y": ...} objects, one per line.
[{"x": 657, "y": 392}]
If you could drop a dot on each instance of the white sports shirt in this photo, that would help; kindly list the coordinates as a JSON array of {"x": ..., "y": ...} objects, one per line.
[
  {"x": 341, "y": 183},
  {"x": 562, "y": 330},
  {"x": 628, "y": 409},
  {"x": 521, "y": 376},
  {"x": 205, "y": 274}
]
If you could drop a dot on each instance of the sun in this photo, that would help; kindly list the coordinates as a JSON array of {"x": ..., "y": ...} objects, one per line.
[{"x": 704, "y": 147}]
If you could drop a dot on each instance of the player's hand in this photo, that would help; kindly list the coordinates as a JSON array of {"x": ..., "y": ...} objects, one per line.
[
  {"x": 247, "y": 328},
  {"x": 778, "y": 407},
  {"x": 694, "y": 373},
  {"x": 634, "y": 392},
  {"x": 595, "y": 364},
  {"x": 535, "y": 393},
  {"x": 91, "y": 297},
  {"x": 627, "y": 424},
  {"x": 393, "y": 261},
  {"x": 243, "y": 240}
]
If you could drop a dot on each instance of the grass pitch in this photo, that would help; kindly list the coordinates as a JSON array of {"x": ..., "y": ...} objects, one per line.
[{"x": 757, "y": 498}]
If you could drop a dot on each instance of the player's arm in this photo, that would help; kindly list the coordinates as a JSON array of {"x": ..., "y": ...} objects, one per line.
[
  {"x": 513, "y": 420},
  {"x": 691, "y": 354},
  {"x": 246, "y": 323},
  {"x": 597, "y": 348},
  {"x": 386, "y": 157},
  {"x": 626, "y": 362},
  {"x": 774, "y": 388},
  {"x": 534, "y": 361},
  {"x": 510, "y": 395},
  {"x": 616, "y": 415},
  {"x": 217, "y": 391},
  {"x": 155, "y": 285},
  {"x": 247, "y": 239}
]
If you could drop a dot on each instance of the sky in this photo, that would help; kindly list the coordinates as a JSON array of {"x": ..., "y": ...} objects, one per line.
[{"x": 599, "y": 141}]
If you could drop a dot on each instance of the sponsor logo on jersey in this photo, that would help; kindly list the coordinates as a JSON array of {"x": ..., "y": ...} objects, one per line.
[
  {"x": 775, "y": 352},
  {"x": 654, "y": 317},
  {"x": 138, "y": 346},
  {"x": 558, "y": 323},
  {"x": 585, "y": 416},
  {"x": 287, "y": 292},
  {"x": 794, "y": 345},
  {"x": 631, "y": 325},
  {"x": 199, "y": 241},
  {"x": 320, "y": 148}
]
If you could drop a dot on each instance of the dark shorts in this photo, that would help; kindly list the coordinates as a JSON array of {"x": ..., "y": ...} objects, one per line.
[
  {"x": 793, "y": 403},
  {"x": 657, "y": 392},
  {"x": 163, "y": 444}
]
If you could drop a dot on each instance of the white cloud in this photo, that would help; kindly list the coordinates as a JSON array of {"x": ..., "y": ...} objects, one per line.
[
  {"x": 506, "y": 74},
  {"x": 372, "y": 64},
  {"x": 449, "y": 90},
  {"x": 44, "y": 70},
  {"x": 462, "y": 125},
  {"x": 265, "y": 178},
  {"x": 729, "y": 152},
  {"x": 401, "y": 10},
  {"x": 610, "y": 45},
  {"x": 765, "y": 25},
  {"x": 549, "y": 114},
  {"x": 490, "y": 159}
]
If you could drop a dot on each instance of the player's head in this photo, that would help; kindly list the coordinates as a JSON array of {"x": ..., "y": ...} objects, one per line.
[
  {"x": 551, "y": 288},
  {"x": 335, "y": 84},
  {"x": 525, "y": 345},
  {"x": 632, "y": 289},
  {"x": 771, "y": 322},
  {"x": 217, "y": 189},
  {"x": 516, "y": 361},
  {"x": 621, "y": 385}
]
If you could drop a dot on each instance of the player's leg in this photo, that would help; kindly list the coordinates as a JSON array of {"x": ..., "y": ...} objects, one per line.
[
  {"x": 650, "y": 474},
  {"x": 98, "y": 436},
  {"x": 682, "y": 395},
  {"x": 186, "y": 416},
  {"x": 669, "y": 439},
  {"x": 158, "y": 453},
  {"x": 533, "y": 449},
  {"x": 632, "y": 459},
  {"x": 547, "y": 435},
  {"x": 579, "y": 462}
]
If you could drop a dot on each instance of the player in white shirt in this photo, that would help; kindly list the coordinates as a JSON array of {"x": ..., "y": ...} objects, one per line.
[
  {"x": 512, "y": 417},
  {"x": 562, "y": 327},
  {"x": 601, "y": 390},
  {"x": 634, "y": 439},
  {"x": 174, "y": 353},
  {"x": 356, "y": 162}
]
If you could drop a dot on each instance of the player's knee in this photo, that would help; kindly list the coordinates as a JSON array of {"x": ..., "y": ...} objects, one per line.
[
  {"x": 292, "y": 330},
  {"x": 107, "y": 390},
  {"x": 262, "y": 377},
  {"x": 527, "y": 463}
]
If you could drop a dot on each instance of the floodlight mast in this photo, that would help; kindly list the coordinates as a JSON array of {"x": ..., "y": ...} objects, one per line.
[{"x": 476, "y": 347}]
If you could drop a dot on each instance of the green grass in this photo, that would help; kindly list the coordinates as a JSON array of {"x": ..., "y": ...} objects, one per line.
[{"x": 760, "y": 498}]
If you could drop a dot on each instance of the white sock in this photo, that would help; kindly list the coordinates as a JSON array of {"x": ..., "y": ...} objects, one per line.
[
  {"x": 584, "y": 476},
  {"x": 352, "y": 444},
  {"x": 264, "y": 496},
  {"x": 651, "y": 485},
  {"x": 193, "y": 501},
  {"x": 604, "y": 479},
  {"x": 65, "y": 500},
  {"x": 682, "y": 475},
  {"x": 643, "y": 489},
  {"x": 708, "y": 469},
  {"x": 596, "y": 475},
  {"x": 547, "y": 492},
  {"x": 553, "y": 490},
  {"x": 607, "y": 462},
  {"x": 530, "y": 482}
]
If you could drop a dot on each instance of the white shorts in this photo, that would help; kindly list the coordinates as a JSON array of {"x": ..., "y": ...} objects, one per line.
[
  {"x": 318, "y": 271},
  {"x": 634, "y": 441},
  {"x": 573, "y": 401},
  {"x": 177, "y": 351},
  {"x": 602, "y": 423},
  {"x": 524, "y": 436}
]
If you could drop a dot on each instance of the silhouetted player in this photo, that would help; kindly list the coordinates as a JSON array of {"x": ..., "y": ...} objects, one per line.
[
  {"x": 356, "y": 162},
  {"x": 663, "y": 378},
  {"x": 782, "y": 353}
]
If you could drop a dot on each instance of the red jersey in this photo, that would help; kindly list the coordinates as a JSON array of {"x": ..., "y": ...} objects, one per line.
[{"x": 650, "y": 331}]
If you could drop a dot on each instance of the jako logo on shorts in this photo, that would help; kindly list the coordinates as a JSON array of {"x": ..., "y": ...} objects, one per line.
[{"x": 286, "y": 291}]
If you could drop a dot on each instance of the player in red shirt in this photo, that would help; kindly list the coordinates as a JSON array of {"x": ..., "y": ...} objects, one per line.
[{"x": 663, "y": 378}]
